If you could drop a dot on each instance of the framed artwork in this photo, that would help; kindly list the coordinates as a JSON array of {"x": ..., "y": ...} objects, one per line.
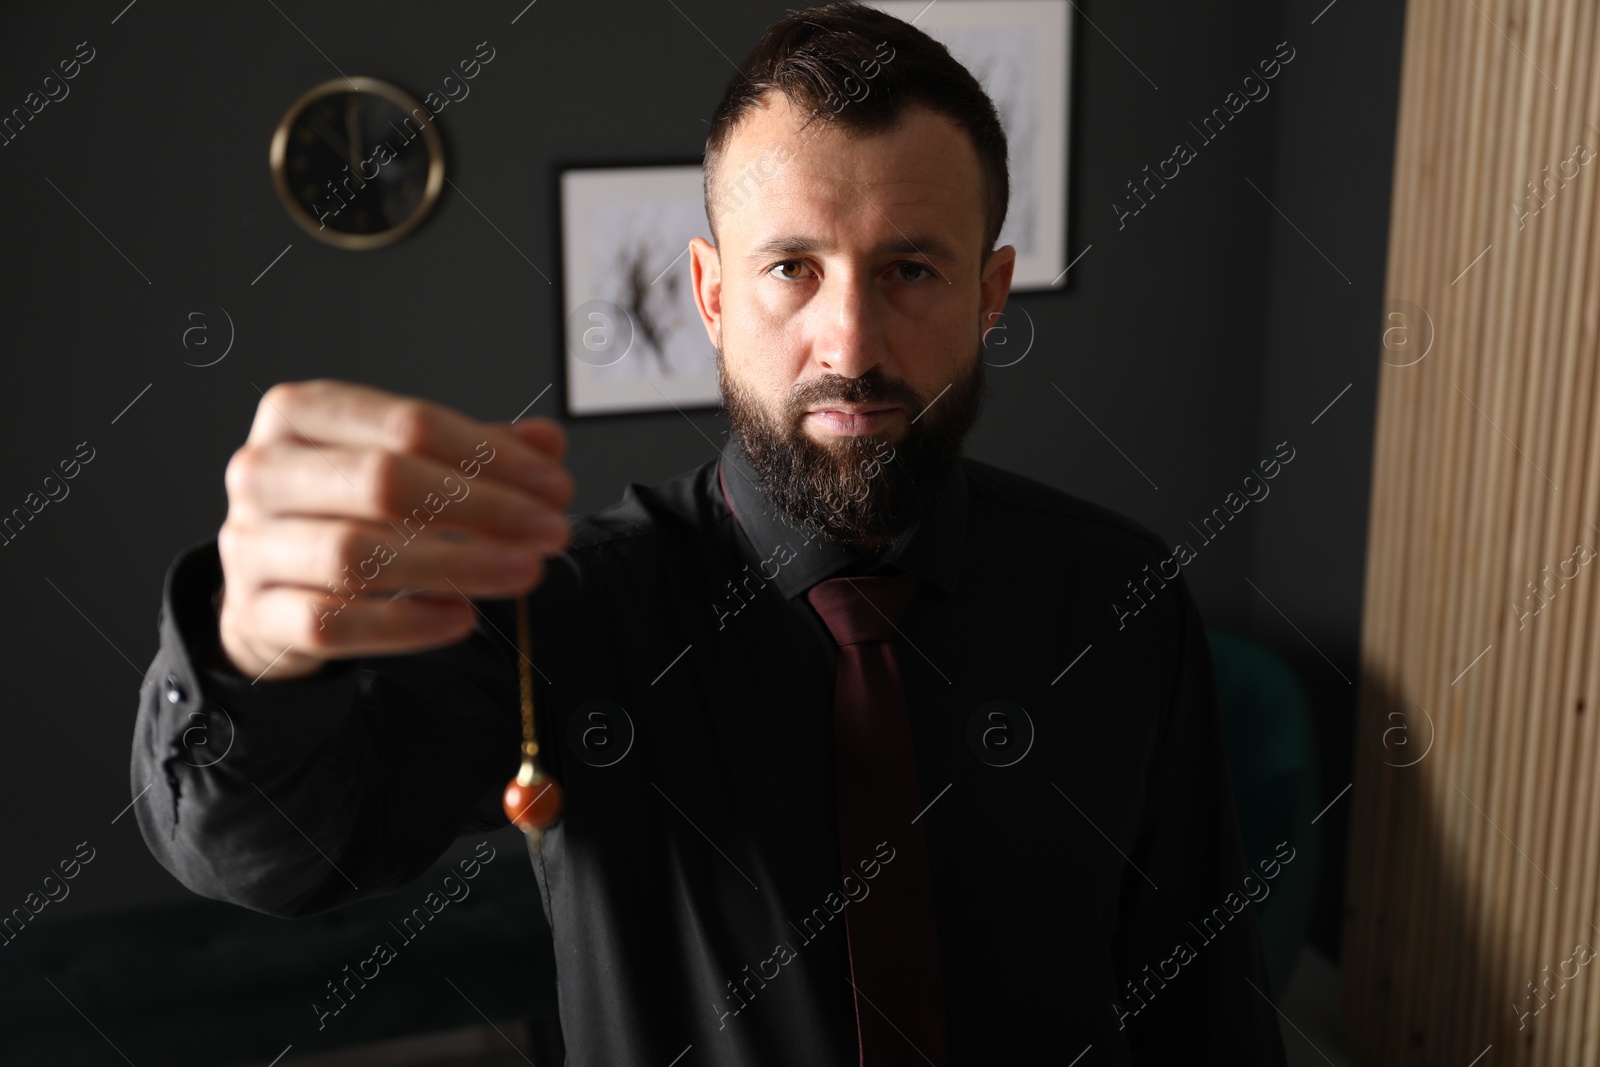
[
  {"x": 632, "y": 339},
  {"x": 1019, "y": 50}
]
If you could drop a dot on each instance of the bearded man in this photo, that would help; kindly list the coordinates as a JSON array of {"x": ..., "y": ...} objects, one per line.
[{"x": 857, "y": 768}]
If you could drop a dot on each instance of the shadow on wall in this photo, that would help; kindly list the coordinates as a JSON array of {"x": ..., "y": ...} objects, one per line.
[{"x": 1422, "y": 971}]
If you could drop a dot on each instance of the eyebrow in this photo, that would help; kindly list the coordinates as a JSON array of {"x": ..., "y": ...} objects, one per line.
[{"x": 927, "y": 244}]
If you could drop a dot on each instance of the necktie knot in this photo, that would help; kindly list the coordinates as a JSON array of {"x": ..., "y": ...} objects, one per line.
[{"x": 864, "y": 608}]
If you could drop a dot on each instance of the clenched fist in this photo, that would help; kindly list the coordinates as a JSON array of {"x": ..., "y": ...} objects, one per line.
[{"x": 344, "y": 495}]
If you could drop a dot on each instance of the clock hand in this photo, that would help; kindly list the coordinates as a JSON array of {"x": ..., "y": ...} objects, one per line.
[
  {"x": 352, "y": 126},
  {"x": 338, "y": 144}
]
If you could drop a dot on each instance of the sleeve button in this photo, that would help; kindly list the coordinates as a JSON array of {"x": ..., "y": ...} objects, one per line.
[{"x": 174, "y": 690}]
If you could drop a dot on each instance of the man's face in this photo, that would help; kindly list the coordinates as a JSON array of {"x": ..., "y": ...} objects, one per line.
[{"x": 847, "y": 309}]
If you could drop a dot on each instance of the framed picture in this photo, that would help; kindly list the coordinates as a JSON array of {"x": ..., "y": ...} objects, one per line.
[
  {"x": 1019, "y": 50},
  {"x": 632, "y": 338}
]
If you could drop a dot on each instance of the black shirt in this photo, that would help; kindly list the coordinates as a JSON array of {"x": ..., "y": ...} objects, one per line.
[{"x": 683, "y": 692}]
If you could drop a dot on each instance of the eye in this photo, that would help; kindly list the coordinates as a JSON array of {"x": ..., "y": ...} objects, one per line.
[
  {"x": 780, "y": 266},
  {"x": 926, "y": 270}
]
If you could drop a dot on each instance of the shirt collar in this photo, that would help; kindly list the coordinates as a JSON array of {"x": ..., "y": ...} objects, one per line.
[{"x": 929, "y": 549}]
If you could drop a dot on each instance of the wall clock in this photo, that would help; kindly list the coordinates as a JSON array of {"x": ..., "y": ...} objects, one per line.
[{"x": 357, "y": 162}]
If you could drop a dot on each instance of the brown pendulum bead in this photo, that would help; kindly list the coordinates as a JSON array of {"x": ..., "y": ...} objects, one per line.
[{"x": 532, "y": 799}]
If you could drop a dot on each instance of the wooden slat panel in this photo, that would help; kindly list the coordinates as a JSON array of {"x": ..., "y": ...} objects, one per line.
[{"x": 1474, "y": 872}]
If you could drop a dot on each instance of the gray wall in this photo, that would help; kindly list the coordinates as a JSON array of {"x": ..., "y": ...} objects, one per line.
[{"x": 1195, "y": 335}]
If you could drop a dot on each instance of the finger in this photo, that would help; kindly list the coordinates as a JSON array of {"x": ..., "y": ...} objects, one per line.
[
  {"x": 549, "y": 440},
  {"x": 546, "y": 435},
  {"x": 354, "y": 558},
  {"x": 323, "y": 411},
  {"x": 297, "y": 620},
  {"x": 414, "y": 493}
]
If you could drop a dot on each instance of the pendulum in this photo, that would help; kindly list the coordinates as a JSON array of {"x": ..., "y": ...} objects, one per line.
[{"x": 532, "y": 799}]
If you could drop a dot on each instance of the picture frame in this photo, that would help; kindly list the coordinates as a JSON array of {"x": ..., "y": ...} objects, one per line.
[
  {"x": 1021, "y": 53},
  {"x": 631, "y": 337}
]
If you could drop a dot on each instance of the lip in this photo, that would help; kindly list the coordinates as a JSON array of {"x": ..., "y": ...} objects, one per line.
[
  {"x": 853, "y": 409},
  {"x": 854, "y": 419}
]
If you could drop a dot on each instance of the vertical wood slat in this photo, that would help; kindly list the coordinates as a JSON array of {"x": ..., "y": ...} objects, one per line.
[{"x": 1473, "y": 872}]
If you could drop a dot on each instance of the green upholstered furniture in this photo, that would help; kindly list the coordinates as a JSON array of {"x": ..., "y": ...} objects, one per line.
[
  {"x": 209, "y": 983},
  {"x": 1272, "y": 766}
]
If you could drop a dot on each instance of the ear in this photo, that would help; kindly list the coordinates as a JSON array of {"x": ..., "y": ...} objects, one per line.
[
  {"x": 705, "y": 269},
  {"x": 994, "y": 287}
]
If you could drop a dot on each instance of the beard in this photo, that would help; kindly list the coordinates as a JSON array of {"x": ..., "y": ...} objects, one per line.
[{"x": 854, "y": 489}]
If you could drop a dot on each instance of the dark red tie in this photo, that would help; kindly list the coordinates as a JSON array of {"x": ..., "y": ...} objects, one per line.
[{"x": 892, "y": 936}]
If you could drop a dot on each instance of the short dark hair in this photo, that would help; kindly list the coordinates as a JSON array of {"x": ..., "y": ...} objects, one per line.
[{"x": 808, "y": 57}]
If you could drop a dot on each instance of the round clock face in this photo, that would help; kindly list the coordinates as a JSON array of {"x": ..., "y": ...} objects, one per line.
[{"x": 357, "y": 162}]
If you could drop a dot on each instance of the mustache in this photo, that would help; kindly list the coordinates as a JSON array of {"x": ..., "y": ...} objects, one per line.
[{"x": 868, "y": 389}]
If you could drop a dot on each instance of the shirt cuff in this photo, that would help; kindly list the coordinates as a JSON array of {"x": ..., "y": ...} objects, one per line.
[
  {"x": 204, "y": 729},
  {"x": 198, "y": 671}
]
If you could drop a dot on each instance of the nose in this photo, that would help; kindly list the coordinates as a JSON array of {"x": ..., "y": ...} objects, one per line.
[{"x": 847, "y": 336}]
